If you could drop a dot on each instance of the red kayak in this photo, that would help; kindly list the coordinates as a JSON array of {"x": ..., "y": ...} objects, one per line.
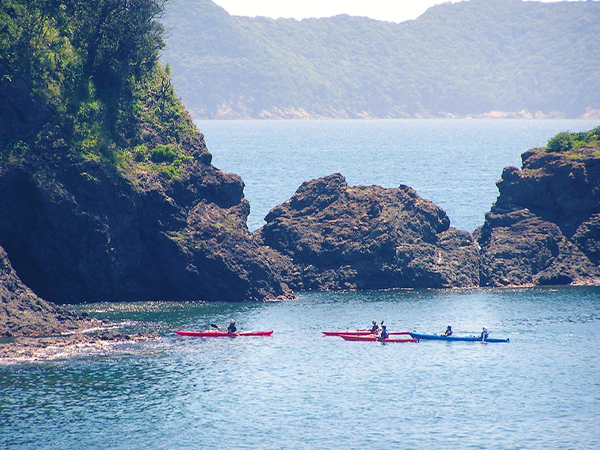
[
  {"x": 216, "y": 333},
  {"x": 359, "y": 333},
  {"x": 373, "y": 338}
]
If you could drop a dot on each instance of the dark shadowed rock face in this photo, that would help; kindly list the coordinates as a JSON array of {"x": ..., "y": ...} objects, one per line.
[
  {"x": 368, "y": 237},
  {"x": 82, "y": 231},
  {"x": 22, "y": 313},
  {"x": 545, "y": 225}
]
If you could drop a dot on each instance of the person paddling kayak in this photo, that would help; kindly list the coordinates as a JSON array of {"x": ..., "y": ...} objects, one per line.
[
  {"x": 231, "y": 329},
  {"x": 484, "y": 334},
  {"x": 375, "y": 328},
  {"x": 448, "y": 331},
  {"x": 383, "y": 334}
]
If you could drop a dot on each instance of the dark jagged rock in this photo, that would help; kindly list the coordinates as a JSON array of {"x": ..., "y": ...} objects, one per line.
[
  {"x": 22, "y": 313},
  {"x": 368, "y": 237},
  {"x": 545, "y": 225},
  {"x": 82, "y": 231}
]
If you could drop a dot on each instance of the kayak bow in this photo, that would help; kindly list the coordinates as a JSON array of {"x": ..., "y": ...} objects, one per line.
[
  {"x": 435, "y": 337},
  {"x": 216, "y": 333}
]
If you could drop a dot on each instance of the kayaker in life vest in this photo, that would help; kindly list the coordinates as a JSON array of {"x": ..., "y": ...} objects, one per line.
[
  {"x": 383, "y": 334},
  {"x": 484, "y": 334},
  {"x": 375, "y": 328},
  {"x": 448, "y": 331},
  {"x": 231, "y": 329}
]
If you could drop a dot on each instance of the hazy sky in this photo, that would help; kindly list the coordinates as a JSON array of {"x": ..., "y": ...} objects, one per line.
[{"x": 391, "y": 10}]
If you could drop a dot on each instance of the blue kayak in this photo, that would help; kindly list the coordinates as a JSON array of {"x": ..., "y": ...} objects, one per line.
[{"x": 454, "y": 338}]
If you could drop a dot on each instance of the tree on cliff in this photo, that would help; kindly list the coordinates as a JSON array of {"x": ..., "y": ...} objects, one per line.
[
  {"x": 68, "y": 71},
  {"x": 562, "y": 142}
]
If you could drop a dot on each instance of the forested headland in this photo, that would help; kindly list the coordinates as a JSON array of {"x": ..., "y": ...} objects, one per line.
[{"x": 477, "y": 58}]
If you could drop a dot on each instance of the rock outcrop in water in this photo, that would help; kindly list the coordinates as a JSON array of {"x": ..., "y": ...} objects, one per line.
[
  {"x": 81, "y": 231},
  {"x": 368, "y": 237},
  {"x": 545, "y": 225}
]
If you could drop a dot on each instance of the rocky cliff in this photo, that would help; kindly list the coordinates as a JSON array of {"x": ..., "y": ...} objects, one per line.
[
  {"x": 368, "y": 237},
  {"x": 80, "y": 230},
  {"x": 544, "y": 227}
]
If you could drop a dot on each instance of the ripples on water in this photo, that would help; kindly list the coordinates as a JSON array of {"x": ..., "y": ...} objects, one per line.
[{"x": 300, "y": 390}]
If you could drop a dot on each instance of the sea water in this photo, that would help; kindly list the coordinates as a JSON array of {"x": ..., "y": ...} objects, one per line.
[
  {"x": 301, "y": 390},
  {"x": 454, "y": 163}
]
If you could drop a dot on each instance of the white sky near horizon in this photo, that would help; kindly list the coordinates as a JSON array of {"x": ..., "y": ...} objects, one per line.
[{"x": 389, "y": 10}]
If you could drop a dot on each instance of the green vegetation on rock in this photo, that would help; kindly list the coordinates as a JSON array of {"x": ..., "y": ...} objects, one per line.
[
  {"x": 562, "y": 142},
  {"x": 82, "y": 80},
  {"x": 585, "y": 144}
]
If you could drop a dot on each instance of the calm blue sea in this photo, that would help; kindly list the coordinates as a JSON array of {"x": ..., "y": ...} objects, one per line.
[
  {"x": 454, "y": 163},
  {"x": 301, "y": 390}
]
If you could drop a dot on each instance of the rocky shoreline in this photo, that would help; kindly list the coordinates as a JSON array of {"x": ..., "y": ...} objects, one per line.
[
  {"x": 32, "y": 329},
  {"x": 34, "y": 349}
]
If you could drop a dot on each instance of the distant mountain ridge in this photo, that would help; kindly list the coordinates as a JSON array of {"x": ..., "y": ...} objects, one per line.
[{"x": 484, "y": 58}]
